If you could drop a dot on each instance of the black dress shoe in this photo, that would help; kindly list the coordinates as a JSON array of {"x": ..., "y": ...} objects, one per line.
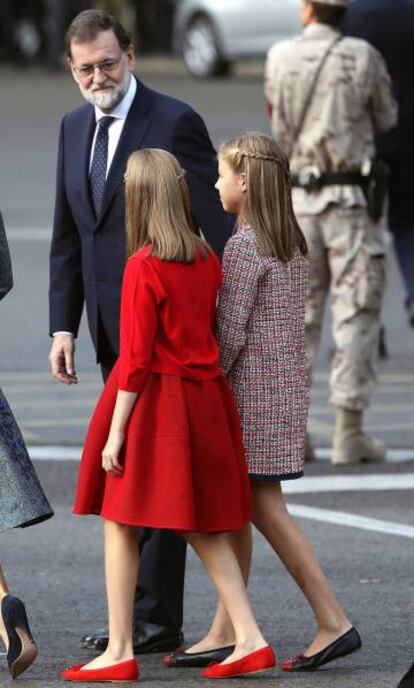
[
  {"x": 407, "y": 680},
  {"x": 344, "y": 645},
  {"x": 88, "y": 641},
  {"x": 180, "y": 658},
  {"x": 147, "y": 638}
]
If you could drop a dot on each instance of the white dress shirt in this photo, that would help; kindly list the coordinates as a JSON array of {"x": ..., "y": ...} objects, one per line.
[
  {"x": 114, "y": 133},
  {"x": 115, "y": 130}
]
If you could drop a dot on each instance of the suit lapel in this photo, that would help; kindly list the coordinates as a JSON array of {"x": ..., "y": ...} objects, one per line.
[
  {"x": 136, "y": 126},
  {"x": 85, "y": 144}
]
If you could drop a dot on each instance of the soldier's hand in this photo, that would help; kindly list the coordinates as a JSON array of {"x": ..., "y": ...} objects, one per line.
[{"x": 62, "y": 358}]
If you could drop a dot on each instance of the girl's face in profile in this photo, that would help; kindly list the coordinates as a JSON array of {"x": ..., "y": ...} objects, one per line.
[{"x": 231, "y": 187}]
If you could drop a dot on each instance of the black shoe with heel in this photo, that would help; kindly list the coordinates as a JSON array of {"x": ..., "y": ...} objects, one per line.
[
  {"x": 407, "y": 680},
  {"x": 22, "y": 649}
]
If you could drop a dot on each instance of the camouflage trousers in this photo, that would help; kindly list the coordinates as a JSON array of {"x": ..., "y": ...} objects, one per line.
[{"x": 346, "y": 262}]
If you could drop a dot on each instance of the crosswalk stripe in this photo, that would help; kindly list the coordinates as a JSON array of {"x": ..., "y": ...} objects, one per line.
[
  {"x": 342, "y": 518},
  {"x": 393, "y": 455},
  {"x": 349, "y": 483},
  {"x": 336, "y": 483}
]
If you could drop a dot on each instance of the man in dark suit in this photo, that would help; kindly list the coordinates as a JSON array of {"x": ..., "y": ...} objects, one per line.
[
  {"x": 389, "y": 26},
  {"x": 87, "y": 254}
]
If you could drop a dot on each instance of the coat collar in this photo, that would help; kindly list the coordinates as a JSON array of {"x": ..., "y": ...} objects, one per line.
[
  {"x": 317, "y": 30},
  {"x": 84, "y": 143}
]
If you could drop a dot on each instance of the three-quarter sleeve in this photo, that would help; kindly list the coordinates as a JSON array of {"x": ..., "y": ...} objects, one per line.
[
  {"x": 138, "y": 327},
  {"x": 241, "y": 274}
]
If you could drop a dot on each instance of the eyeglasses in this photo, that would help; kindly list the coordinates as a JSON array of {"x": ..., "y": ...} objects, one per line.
[{"x": 106, "y": 67}]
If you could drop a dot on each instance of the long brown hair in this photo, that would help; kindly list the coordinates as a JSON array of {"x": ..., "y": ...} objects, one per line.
[
  {"x": 268, "y": 206},
  {"x": 158, "y": 207}
]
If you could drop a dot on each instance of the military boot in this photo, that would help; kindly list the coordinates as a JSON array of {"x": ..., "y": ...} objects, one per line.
[{"x": 350, "y": 444}]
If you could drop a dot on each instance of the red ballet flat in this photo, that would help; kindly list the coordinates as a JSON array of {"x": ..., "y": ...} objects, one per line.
[
  {"x": 254, "y": 663},
  {"x": 123, "y": 672}
]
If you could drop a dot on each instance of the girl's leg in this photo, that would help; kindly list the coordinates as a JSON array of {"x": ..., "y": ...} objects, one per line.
[
  {"x": 4, "y": 590},
  {"x": 221, "y": 563},
  {"x": 121, "y": 572},
  {"x": 221, "y": 632},
  {"x": 284, "y": 535}
]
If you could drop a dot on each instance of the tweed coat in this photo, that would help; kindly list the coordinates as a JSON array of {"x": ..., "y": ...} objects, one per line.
[
  {"x": 22, "y": 501},
  {"x": 261, "y": 336}
]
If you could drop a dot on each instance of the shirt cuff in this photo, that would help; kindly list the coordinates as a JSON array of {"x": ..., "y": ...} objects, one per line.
[{"x": 62, "y": 332}]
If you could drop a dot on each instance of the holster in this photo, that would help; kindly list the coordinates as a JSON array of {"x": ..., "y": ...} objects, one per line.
[{"x": 375, "y": 188}]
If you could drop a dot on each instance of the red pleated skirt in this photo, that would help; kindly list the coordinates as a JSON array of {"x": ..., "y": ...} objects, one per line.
[{"x": 183, "y": 457}]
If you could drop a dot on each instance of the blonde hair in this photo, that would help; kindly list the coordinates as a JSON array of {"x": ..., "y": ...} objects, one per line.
[
  {"x": 158, "y": 207},
  {"x": 268, "y": 205}
]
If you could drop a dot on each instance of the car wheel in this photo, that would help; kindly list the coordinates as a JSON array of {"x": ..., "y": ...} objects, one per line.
[{"x": 201, "y": 51}]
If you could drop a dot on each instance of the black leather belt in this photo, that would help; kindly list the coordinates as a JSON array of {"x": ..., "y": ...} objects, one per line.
[{"x": 312, "y": 179}]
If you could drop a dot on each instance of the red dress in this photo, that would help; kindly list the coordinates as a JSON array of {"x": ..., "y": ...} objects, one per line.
[{"x": 183, "y": 456}]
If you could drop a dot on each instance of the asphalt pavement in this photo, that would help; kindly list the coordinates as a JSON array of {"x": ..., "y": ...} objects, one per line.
[{"x": 360, "y": 519}]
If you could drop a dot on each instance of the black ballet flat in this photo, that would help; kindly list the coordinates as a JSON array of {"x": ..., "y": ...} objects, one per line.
[
  {"x": 345, "y": 645},
  {"x": 180, "y": 658},
  {"x": 22, "y": 649}
]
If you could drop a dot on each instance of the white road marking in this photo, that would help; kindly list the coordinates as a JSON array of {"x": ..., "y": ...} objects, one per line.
[
  {"x": 308, "y": 484},
  {"x": 349, "y": 483},
  {"x": 393, "y": 455},
  {"x": 55, "y": 422},
  {"x": 342, "y": 518},
  {"x": 31, "y": 405},
  {"x": 51, "y": 453},
  {"x": 46, "y": 389},
  {"x": 29, "y": 234},
  {"x": 383, "y": 377}
]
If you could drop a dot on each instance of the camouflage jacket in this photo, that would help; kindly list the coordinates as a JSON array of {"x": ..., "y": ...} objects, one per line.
[{"x": 353, "y": 101}]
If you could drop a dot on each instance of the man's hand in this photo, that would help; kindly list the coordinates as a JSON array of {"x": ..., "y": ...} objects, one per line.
[{"x": 62, "y": 358}]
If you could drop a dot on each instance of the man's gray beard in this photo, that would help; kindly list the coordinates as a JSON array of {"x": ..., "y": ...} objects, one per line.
[{"x": 107, "y": 101}]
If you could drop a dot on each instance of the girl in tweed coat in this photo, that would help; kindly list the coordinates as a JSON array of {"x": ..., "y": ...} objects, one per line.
[{"x": 260, "y": 329}]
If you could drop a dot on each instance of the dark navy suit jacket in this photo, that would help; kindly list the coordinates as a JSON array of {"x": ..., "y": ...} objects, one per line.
[
  {"x": 87, "y": 255},
  {"x": 389, "y": 26}
]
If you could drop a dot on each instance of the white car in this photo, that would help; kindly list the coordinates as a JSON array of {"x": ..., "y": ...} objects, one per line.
[{"x": 210, "y": 34}]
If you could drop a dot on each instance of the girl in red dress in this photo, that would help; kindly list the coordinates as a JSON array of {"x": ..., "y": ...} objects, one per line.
[{"x": 164, "y": 446}]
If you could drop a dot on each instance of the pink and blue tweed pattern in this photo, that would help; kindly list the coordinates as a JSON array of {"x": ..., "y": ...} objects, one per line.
[{"x": 261, "y": 335}]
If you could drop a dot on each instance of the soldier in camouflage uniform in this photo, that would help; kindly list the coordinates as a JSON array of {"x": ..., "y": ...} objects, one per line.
[{"x": 352, "y": 101}]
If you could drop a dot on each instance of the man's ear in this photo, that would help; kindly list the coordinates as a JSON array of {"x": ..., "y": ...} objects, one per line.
[
  {"x": 72, "y": 70},
  {"x": 131, "y": 57}
]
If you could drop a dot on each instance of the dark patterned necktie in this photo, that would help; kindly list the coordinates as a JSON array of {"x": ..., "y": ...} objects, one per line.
[{"x": 99, "y": 163}]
